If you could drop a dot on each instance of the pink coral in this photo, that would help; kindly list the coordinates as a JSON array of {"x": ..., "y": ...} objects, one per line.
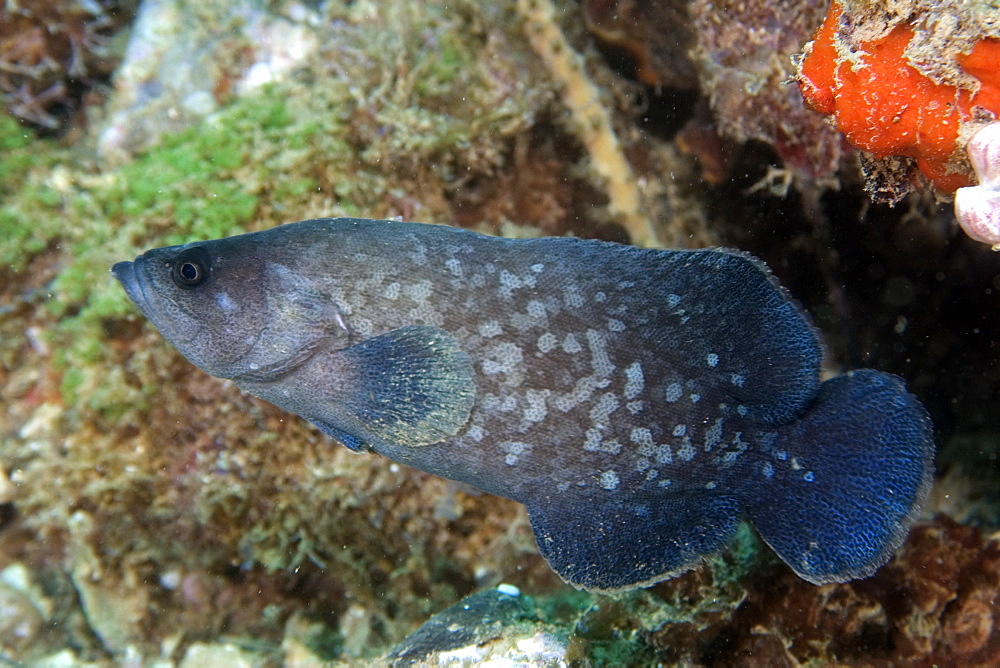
[{"x": 977, "y": 208}]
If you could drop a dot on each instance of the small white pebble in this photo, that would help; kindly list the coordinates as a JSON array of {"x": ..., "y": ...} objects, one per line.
[{"x": 508, "y": 590}]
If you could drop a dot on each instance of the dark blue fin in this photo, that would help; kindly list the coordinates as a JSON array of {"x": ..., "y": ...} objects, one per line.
[
  {"x": 411, "y": 386},
  {"x": 836, "y": 496},
  {"x": 609, "y": 541}
]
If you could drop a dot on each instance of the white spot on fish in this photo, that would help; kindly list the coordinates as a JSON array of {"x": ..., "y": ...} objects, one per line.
[
  {"x": 536, "y": 309},
  {"x": 454, "y": 266},
  {"x": 600, "y": 297},
  {"x": 611, "y": 446},
  {"x": 673, "y": 300},
  {"x": 547, "y": 342},
  {"x": 572, "y": 295},
  {"x": 634, "y": 381},
  {"x": 508, "y": 283},
  {"x": 711, "y": 485},
  {"x": 713, "y": 435},
  {"x": 609, "y": 480},
  {"x": 686, "y": 452},
  {"x": 419, "y": 254},
  {"x": 742, "y": 410},
  {"x": 605, "y": 406},
  {"x": 695, "y": 398},
  {"x": 419, "y": 291},
  {"x": 581, "y": 392},
  {"x": 768, "y": 470},
  {"x": 616, "y": 325},
  {"x": 489, "y": 329},
  {"x": 809, "y": 476},
  {"x": 225, "y": 303},
  {"x": 571, "y": 345},
  {"x": 643, "y": 437},
  {"x": 514, "y": 451},
  {"x": 594, "y": 443},
  {"x": 635, "y": 407},
  {"x": 599, "y": 359},
  {"x": 664, "y": 455},
  {"x": 642, "y": 464},
  {"x": 536, "y": 410},
  {"x": 362, "y": 327},
  {"x": 713, "y": 360},
  {"x": 680, "y": 430},
  {"x": 738, "y": 379},
  {"x": 674, "y": 392},
  {"x": 502, "y": 358},
  {"x": 476, "y": 433},
  {"x": 651, "y": 474},
  {"x": 537, "y": 268},
  {"x": 739, "y": 442},
  {"x": 665, "y": 483}
]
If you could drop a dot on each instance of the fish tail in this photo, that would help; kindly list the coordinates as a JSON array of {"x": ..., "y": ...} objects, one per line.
[{"x": 840, "y": 487}]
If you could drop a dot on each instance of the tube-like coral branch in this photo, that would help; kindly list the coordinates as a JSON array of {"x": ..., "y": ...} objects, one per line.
[{"x": 591, "y": 121}]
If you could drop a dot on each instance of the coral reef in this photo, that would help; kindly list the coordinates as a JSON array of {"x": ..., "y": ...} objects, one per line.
[
  {"x": 53, "y": 52},
  {"x": 909, "y": 80},
  {"x": 931, "y": 604},
  {"x": 150, "y": 513},
  {"x": 743, "y": 61},
  {"x": 739, "y": 54}
]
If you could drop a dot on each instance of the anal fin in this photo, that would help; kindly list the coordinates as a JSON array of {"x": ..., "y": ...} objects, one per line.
[{"x": 610, "y": 541}]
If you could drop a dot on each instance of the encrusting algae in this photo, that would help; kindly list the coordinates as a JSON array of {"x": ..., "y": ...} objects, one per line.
[{"x": 913, "y": 80}]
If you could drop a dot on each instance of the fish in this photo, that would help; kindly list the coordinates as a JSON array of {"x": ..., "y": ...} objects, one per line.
[{"x": 640, "y": 403}]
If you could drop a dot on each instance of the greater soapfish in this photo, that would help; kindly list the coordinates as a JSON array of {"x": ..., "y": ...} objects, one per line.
[{"x": 641, "y": 403}]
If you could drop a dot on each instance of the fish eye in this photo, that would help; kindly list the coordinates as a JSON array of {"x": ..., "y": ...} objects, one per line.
[{"x": 191, "y": 268}]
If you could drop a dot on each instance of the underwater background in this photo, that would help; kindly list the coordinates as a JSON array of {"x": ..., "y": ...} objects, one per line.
[{"x": 152, "y": 514}]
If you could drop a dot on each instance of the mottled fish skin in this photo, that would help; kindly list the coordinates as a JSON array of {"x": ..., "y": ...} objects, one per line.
[{"x": 640, "y": 403}]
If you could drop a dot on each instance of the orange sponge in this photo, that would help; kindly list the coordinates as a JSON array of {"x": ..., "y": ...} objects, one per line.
[{"x": 885, "y": 106}]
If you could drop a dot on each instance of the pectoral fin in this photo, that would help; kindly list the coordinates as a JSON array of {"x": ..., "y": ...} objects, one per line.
[{"x": 412, "y": 386}]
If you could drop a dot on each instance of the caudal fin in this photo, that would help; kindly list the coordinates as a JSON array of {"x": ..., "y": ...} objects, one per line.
[{"x": 844, "y": 482}]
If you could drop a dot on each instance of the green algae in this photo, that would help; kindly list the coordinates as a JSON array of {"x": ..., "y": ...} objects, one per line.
[{"x": 25, "y": 233}]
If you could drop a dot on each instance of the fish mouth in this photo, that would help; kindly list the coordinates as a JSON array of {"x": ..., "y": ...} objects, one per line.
[
  {"x": 179, "y": 329},
  {"x": 126, "y": 274}
]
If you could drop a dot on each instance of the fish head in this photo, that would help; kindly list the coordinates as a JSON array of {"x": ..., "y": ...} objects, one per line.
[{"x": 227, "y": 306}]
